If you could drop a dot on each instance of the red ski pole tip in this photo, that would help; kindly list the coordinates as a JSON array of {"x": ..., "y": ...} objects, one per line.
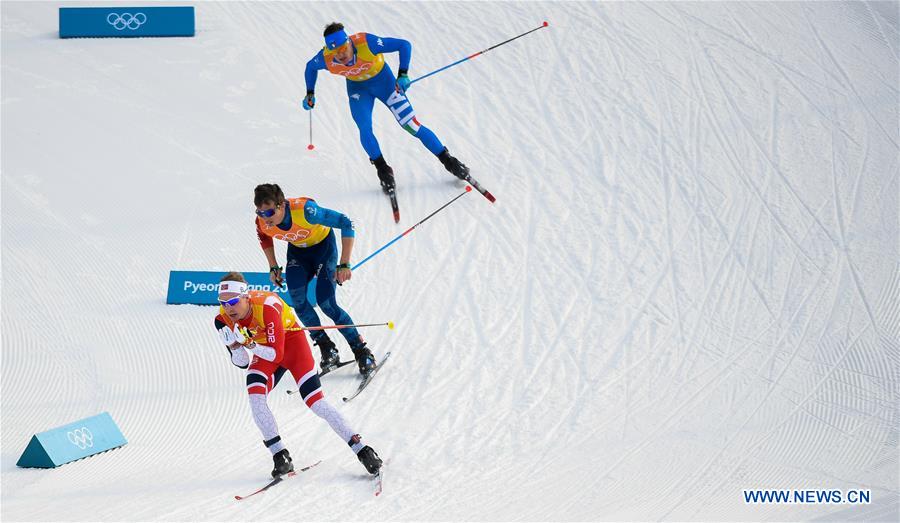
[
  {"x": 546, "y": 23},
  {"x": 468, "y": 188},
  {"x": 310, "y": 147}
]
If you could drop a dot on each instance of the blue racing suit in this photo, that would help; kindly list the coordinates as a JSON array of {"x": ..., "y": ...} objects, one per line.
[
  {"x": 318, "y": 260},
  {"x": 361, "y": 95}
]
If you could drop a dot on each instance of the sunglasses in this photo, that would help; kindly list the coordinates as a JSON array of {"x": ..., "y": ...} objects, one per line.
[
  {"x": 268, "y": 213},
  {"x": 232, "y": 302},
  {"x": 343, "y": 47}
]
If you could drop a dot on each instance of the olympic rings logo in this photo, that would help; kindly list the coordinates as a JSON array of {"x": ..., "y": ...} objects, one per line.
[
  {"x": 356, "y": 70},
  {"x": 293, "y": 236},
  {"x": 121, "y": 21},
  {"x": 81, "y": 438}
]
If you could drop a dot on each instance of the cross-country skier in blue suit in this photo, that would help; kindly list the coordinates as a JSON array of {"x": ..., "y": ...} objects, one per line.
[{"x": 360, "y": 59}]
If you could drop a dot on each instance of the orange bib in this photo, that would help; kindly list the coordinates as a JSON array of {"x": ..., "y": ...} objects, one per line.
[{"x": 367, "y": 64}]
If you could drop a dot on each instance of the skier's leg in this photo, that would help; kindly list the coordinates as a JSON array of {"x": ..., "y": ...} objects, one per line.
[
  {"x": 302, "y": 265},
  {"x": 402, "y": 109},
  {"x": 364, "y": 453},
  {"x": 365, "y": 360},
  {"x": 259, "y": 383},
  {"x": 298, "y": 275},
  {"x": 325, "y": 293},
  {"x": 361, "y": 103},
  {"x": 302, "y": 367},
  {"x": 403, "y": 112},
  {"x": 311, "y": 391}
]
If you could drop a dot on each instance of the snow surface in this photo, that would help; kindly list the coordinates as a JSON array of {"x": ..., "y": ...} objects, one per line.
[{"x": 688, "y": 285}]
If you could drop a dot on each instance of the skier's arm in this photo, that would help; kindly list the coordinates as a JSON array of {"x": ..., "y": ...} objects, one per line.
[
  {"x": 313, "y": 66},
  {"x": 346, "y": 250},
  {"x": 265, "y": 241},
  {"x": 274, "y": 350},
  {"x": 338, "y": 220},
  {"x": 239, "y": 357},
  {"x": 381, "y": 44},
  {"x": 268, "y": 247},
  {"x": 316, "y": 214}
]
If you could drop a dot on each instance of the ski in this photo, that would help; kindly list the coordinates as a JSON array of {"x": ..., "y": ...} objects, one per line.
[
  {"x": 368, "y": 378},
  {"x": 379, "y": 478},
  {"x": 326, "y": 370},
  {"x": 392, "y": 194},
  {"x": 474, "y": 183},
  {"x": 278, "y": 480}
]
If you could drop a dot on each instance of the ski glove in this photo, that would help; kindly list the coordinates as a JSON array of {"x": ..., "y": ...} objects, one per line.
[
  {"x": 402, "y": 81},
  {"x": 235, "y": 338},
  {"x": 263, "y": 351},
  {"x": 241, "y": 339},
  {"x": 227, "y": 336},
  {"x": 276, "y": 277},
  {"x": 310, "y": 101}
]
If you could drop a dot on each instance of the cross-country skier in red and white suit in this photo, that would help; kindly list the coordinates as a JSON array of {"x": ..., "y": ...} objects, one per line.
[{"x": 262, "y": 335}]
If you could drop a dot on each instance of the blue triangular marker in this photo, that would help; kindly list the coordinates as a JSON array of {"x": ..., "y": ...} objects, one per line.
[{"x": 35, "y": 456}]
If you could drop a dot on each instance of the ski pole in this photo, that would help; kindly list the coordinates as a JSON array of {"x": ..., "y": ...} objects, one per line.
[
  {"x": 310, "y": 146},
  {"x": 407, "y": 231},
  {"x": 545, "y": 24},
  {"x": 388, "y": 324}
]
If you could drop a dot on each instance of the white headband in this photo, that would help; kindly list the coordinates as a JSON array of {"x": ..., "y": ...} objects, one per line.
[{"x": 238, "y": 287}]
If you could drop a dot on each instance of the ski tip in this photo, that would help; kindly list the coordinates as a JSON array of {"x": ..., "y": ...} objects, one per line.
[
  {"x": 397, "y": 217},
  {"x": 490, "y": 197},
  {"x": 238, "y": 498}
]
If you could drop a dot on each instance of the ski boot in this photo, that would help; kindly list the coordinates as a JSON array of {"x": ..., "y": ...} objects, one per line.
[
  {"x": 283, "y": 463},
  {"x": 456, "y": 167},
  {"x": 369, "y": 458},
  {"x": 364, "y": 358},
  {"x": 330, "y": 356},
  {"x": 385, "y": 174}
]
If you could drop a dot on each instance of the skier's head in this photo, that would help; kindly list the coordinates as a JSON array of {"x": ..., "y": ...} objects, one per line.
[
  {"x": 336, "y": 40},
  {"x": 269, "y": 201},
  {"x": 234, "y": 296}
]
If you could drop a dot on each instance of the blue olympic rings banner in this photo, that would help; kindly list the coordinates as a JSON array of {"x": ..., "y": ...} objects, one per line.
[
  {"x": 127, "y": 22},
  {"x": 72, "y": 441},
  {"x": 202, "y": 287}
]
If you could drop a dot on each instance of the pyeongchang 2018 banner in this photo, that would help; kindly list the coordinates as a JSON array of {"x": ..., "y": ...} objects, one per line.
[
  {"x": 202, "y": 287},
  {"x": 125, "y": 22}
]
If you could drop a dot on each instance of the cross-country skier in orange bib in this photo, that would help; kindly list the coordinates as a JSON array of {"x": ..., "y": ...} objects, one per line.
[
  {"x": 311, "y": 253},
  {"x": 359, "y": 58},
  {"x": 262, "y": 334}
]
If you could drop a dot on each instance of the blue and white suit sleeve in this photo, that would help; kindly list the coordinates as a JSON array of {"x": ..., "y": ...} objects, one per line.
[
  {"x": 321, "y": 216},
  {"x": 380, "y": 44},
  {"x": 313, "y": 66}
]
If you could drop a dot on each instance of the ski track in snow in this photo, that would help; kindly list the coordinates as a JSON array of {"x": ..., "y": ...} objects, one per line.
[{"x": 689, "y": 284}]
